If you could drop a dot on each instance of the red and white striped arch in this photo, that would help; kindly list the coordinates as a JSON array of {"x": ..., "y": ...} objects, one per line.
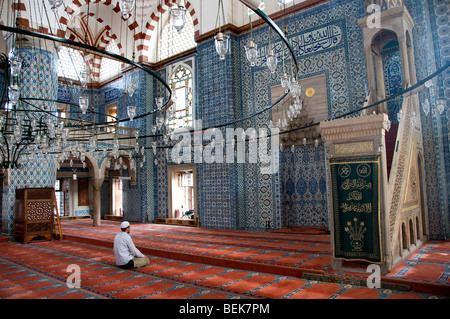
[
  {"x": 151, "y": 27},
  {"x": 142, "y": 31}
]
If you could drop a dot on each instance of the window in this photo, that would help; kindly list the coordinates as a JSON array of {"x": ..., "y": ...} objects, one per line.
[
  {"x": 187, "y": 179},
  {"x": 181, "y": 83},
  {"x": 111, "y": 116},
  {"x": 110, "y": 67},
  {"x": 173, "y": 42},
  {"x": 71, "y": 63}
]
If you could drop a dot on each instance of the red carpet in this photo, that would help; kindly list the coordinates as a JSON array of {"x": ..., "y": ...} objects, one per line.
[
  {"x": 281, "y": 253},
  {"x": 39, "y": 269},
  {"x": 304, "y": 230}
]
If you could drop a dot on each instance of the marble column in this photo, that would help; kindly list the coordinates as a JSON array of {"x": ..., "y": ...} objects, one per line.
[
  {"x": 372, "y": 86},
  {"x": 406, "y": 79},
  {"x": 97, "y": 184}
]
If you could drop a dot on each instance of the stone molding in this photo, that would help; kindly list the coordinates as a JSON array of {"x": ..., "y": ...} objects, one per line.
[{"x": 355, "y": 127}]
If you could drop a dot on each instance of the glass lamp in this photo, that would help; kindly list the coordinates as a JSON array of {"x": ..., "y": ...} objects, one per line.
[
  {"x": 131, "y": 111},
  {"x": 296, "y": 88},
  {"x": 16, "y": 64},
  {"x": 178, "y": 15},
  {"x": 83, "y": 102},
  {"x": 251, "y": 51},
  {"x": 126, "y": 6},
  {"x": 159, "y": 101},
  {"x": 84, "y": 77},
  {"x": 272, "y": 62},
  {"x": 14, "y": 93},
  {"x": 285, "y": 82},
  {"x": 221, "y": 41},
  {"x": 55, "y": 4}
]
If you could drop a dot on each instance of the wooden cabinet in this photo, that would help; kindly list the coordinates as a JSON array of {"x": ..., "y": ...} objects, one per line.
[{"x": 34, "y": 213}]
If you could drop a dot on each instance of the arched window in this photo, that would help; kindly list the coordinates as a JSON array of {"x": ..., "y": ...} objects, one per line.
[
  {"x": 181, "y": 83},
  {"x": 173, "y": 42},
  {"x": 71, "y": 63},
  {"x": 110, "y": 67}
]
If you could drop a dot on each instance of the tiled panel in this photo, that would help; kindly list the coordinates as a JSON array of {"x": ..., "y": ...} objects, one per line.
[{"x": 304, "y": 189}]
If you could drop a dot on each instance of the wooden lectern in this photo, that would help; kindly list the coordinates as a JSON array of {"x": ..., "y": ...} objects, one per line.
[{"x": 34, "y": 213}]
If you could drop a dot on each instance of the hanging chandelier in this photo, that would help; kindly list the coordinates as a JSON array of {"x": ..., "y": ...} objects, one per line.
[
  {"x": 29, "y": 125},
  {"x": 28, "y": 128}
]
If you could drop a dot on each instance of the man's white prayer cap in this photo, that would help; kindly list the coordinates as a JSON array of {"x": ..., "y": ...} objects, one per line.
[{"x": 124, "y": 225}]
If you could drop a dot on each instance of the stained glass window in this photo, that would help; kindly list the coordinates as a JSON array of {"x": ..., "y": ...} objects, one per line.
[{"x": 181, "y": 83}]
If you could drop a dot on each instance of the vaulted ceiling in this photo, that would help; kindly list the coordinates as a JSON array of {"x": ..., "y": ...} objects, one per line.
[{"x": 98, "y": 21}]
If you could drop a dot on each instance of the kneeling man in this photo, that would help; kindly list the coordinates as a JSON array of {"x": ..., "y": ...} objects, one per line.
[{"x": 126, "y": 254}]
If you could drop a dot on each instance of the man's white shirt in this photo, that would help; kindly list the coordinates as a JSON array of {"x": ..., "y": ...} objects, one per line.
[{"x": 124, "y": 249}]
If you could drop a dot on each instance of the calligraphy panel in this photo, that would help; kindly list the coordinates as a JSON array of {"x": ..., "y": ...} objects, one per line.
[
  {"x": 317, "y": 40},
  {"x": 355, "y": 194},
  {"x": 305, "y": 43}
]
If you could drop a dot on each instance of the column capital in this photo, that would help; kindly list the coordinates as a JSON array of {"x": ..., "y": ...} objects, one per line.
[{"x": 97, "y": 182}]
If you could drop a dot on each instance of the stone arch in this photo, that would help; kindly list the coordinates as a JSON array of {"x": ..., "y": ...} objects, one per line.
[
  {"x": 91, "y": 159},
  {"x": 382, "y": 41},
  {"x": 125, "y": 155}
]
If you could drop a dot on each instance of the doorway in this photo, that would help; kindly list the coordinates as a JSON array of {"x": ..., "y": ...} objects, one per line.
[
  {"x": 116, "y": 197},
  {"x": 182, "y": 183},
  {"x": 60, "y": 197}
]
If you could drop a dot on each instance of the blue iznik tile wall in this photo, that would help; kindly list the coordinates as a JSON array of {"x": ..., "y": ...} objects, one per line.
[
  {"x": 297, "y": 196},
  {"x": 439, "y": 26},
  {"x": 215, "y": 106},
  {"x": 40, "y": 79},
  {"x": 237, "y": 195},
  {"x": 304, "y": 187},
  {"x": 430, "y": 34}
]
